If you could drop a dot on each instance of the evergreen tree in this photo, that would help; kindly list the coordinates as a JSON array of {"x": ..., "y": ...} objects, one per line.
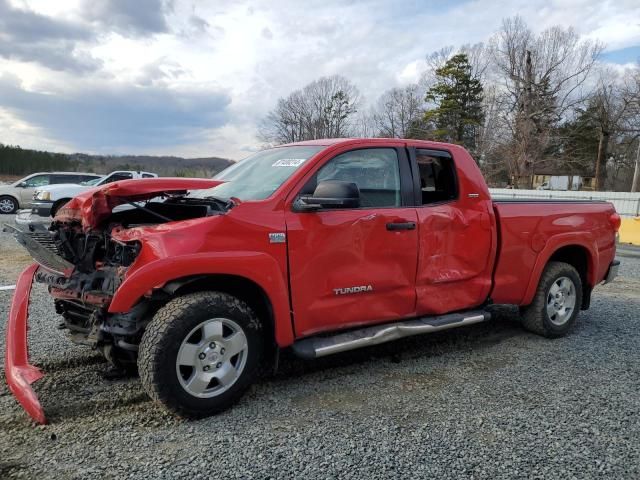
[{"x": 457, "y": 96}]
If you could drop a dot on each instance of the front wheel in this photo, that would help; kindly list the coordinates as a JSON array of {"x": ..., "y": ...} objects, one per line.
[
  {"x": 8, "y": 205},
  {"x": 200, "y": 353},
  {"x": 557, "y": 301}
]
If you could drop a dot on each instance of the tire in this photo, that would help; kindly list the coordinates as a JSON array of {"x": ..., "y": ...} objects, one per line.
[
  {"x": 8, "y": 205},
  {"x": 551, "y": 313},
  {"x": 56, "y": 206},
  {"x": 194, "y": 338}
]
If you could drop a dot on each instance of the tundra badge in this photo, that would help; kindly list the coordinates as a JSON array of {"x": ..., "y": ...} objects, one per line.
[{"x": 348, "y": 290}]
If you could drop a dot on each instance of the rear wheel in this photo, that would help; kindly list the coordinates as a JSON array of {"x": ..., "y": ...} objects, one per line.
[
  {"x": 8, "y": 205},
  {"x": 557, "y": 301},
  {"x": 200, "y": 353}
]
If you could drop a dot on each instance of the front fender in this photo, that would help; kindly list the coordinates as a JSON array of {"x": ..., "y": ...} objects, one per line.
[{"x": 258, "y": 267}]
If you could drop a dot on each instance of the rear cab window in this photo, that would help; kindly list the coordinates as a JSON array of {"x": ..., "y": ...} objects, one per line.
[{"x": 438, "y": 178}]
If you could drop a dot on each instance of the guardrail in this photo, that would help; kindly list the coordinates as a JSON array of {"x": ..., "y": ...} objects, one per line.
[{"x": 627, "y": 204}]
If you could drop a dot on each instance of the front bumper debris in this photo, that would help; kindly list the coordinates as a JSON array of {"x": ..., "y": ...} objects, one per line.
[
  {"x": 613, "y": 271},
  {"x": 20, "y": 374},
  {"x": 42, "y": 248}
]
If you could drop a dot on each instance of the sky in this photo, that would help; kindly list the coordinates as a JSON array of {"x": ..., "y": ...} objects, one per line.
[{"x": 194, "y": 78}]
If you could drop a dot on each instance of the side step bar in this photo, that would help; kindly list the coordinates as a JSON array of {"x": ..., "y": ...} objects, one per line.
[{"x": 314, "y": 347}]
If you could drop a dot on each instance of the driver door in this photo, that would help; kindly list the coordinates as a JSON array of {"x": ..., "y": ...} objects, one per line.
[{"x": 355, "y": 266}]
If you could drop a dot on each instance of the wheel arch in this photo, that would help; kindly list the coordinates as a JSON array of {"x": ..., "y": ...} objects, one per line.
[
  {"x": 238, "y": 286},
  {"x": 255, "y": 275},
  {"x": 580, "y": 254}
]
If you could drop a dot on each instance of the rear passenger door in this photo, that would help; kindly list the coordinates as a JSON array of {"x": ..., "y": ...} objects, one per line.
[
  {"x": 354, "y": 266},
  {"x": 455, "y": 236}
]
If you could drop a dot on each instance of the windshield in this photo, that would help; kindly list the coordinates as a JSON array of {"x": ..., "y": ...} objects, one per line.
[
  {"x": 259, "y": 175},
  {"x": 91, "y": 182}
]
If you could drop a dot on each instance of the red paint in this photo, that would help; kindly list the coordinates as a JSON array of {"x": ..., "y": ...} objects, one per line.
[
  {"x": 444, "y": 265},
  {"x": 462, "y": 253},
  {"x": 96, "y": 204},
  {"x": 351, "y": 248},
  {"x": 457, "y": 243},
  {"x": 20, "y": 374},
  {"x": 523, "y": 255}
]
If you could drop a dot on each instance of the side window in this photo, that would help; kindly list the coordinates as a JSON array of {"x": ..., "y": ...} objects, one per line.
[
  {"x": 147, "y": 175},
  {"x": 116, "y": 177},
  {"x": 37, "y": 181},
  {"x": 55, "y": 179},
  {"x": 438, "y": 181},
  {"x": 85, "y": 178},
  {"x": 375, "y": 171}
]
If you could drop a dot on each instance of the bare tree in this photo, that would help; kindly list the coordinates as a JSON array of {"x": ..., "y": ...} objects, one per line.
[
  {"x": 324, "y": 108},
  {"x": 632, "y": 124},
  {"x": 543, "y": 77},
  {"x": 397, "y": 111}
]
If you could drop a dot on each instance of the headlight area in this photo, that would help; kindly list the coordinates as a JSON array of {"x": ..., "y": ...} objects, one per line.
[{"x": 41, "y": 195}]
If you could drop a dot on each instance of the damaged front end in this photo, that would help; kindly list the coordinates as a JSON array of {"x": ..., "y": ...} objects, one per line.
[
  {"x": 82, "y": 271},
  {"x": 82, "y": 262}
]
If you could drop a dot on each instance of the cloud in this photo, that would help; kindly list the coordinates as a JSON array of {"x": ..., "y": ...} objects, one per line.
[
  {"x": 198, "y": 77},
  {"x": 129, "y": 17},
  {"x": 32, "y": 37},
  {"x": 104, "y": 117}
]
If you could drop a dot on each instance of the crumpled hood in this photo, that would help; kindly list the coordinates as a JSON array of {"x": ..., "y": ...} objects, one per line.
[{"x": 96, "y": 204}]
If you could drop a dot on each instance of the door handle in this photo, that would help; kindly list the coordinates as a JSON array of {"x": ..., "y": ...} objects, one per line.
[{"x": 394, "y": 226}]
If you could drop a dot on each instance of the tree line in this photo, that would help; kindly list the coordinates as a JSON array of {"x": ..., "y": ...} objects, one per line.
[
  {"x": 16, "y": 161},
  {"x": 522, "y": 104}
]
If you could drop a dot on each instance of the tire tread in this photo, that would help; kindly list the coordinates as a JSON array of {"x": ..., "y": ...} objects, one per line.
[{"x": 157, "y": 338}]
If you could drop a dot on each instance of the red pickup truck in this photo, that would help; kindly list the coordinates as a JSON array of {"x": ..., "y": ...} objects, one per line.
[{"x": 321, "y": 246}]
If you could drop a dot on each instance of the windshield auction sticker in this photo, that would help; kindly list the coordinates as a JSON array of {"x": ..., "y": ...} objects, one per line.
[{"x": 289, "y": 162}]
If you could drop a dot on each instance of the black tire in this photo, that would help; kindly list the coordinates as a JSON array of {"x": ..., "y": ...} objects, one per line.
[
  {"x": 536, "y": 318},
  {"x": 9, "y": 205},
  {"x": 164, "y": 336},
  {"x": 56, "y": 206}
]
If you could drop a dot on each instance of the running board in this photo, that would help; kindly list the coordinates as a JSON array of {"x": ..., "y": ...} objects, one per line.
[{"x": 314, "y": 347}]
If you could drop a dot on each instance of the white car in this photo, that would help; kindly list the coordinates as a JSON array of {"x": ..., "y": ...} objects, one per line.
[
  {"x": 20, "y": 194},
  {"x": 47, "y": 200}
]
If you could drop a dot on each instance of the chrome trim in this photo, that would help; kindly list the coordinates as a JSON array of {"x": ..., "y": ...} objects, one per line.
[{"x": 322, "y": 346}]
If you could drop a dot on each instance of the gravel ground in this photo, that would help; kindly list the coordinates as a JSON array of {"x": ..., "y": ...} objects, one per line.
[{"x": 487, "y": 401}]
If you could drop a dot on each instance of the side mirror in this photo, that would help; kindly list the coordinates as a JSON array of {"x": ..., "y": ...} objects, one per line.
[
  {"x": 330, "y": 194},
  {"x": 22, "y": 185}
]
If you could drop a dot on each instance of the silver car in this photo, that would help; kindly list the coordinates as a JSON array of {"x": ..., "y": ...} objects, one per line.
[{"x": 20, "y": 194}]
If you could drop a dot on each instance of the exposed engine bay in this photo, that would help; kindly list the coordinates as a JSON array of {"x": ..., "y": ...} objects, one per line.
[{"x": 83, "y": 268}]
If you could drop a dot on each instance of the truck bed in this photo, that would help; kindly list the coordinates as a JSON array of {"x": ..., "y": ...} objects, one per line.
[{"x": 530, "y": 231}]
